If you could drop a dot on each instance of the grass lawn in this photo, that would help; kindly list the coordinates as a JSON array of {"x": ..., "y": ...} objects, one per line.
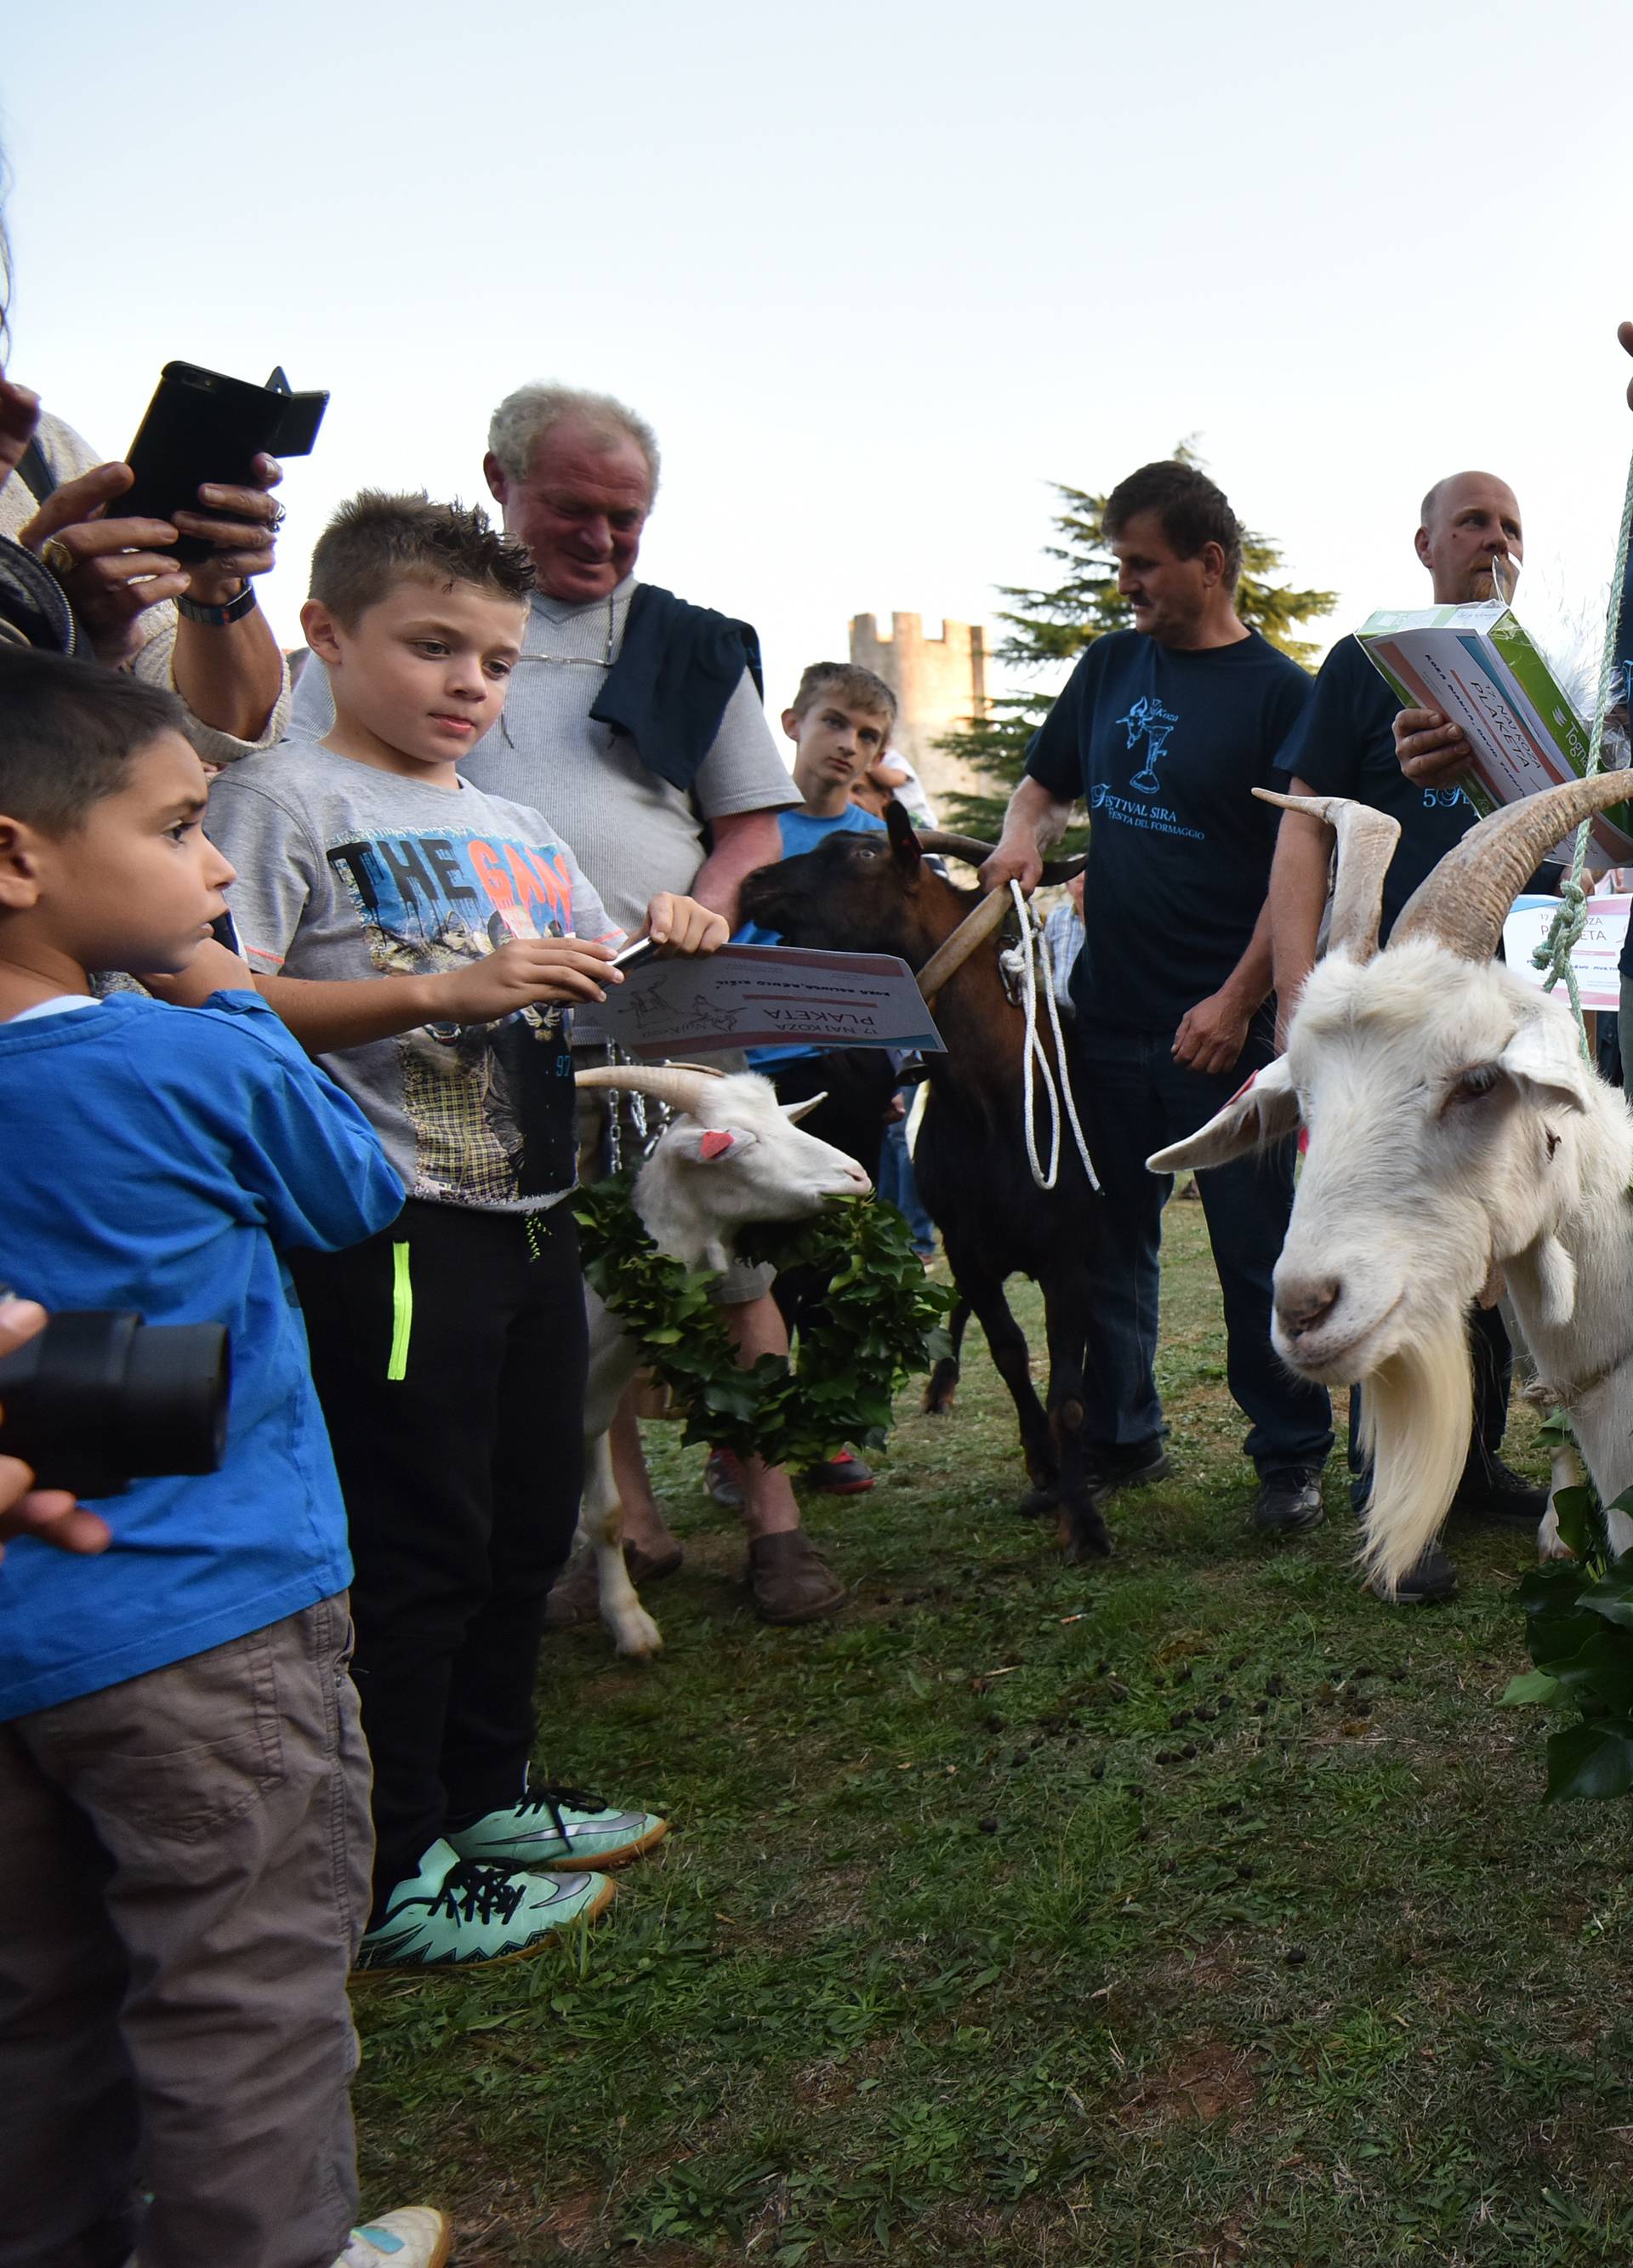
[{"x": 1192, "y": 1908}]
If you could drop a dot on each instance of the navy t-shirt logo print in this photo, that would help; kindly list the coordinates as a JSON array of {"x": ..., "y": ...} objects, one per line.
[
  {"x": 1149, "y": 721},
  {"x": 1180, "y": 856}
]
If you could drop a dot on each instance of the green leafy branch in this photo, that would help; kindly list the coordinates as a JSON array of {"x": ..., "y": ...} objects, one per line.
[
  {"x": 883, "y": 1322},
  {"x": 1579, "y": 1634}
]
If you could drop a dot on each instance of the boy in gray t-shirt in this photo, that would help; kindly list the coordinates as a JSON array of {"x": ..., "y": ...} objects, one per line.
[
  {"x": 352, "y": 875},
  {"x": 426, "y": 942}
]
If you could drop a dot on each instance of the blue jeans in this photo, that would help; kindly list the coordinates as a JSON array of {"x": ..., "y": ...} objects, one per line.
[
  {"x": 898, "y": 1187},
  {"x": 1139, "y": 1100}
]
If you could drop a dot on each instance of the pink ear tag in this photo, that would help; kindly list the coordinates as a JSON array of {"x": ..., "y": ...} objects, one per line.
[{"x": 715, "y": 1143}]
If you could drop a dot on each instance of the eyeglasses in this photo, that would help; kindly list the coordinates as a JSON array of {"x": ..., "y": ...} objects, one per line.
[{"x": 584, "y": 660}]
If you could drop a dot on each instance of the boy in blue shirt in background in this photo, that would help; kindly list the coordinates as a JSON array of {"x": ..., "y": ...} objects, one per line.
[
  {"x": 839, "y": 723},
  {"x": 184, "y": 1866}
]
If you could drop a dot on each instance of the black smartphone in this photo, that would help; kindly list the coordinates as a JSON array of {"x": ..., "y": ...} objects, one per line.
[
  {"x": 636, "y": 955},
  {"x": 202, "y": 426}
]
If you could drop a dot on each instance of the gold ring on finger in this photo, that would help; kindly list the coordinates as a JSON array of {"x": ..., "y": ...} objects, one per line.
[{"x": 56, "y": 558}]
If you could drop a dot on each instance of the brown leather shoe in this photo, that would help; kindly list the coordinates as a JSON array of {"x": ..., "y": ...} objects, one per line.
[
  {"x": 791, "y": 1580},
  {"x": 576, "y": 1595}
]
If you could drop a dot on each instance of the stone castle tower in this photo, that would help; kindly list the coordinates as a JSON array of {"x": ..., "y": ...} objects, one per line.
[{"x": 939, "y": 682}]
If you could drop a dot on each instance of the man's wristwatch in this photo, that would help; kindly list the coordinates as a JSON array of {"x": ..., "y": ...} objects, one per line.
[{"x": 218, "y": 617}]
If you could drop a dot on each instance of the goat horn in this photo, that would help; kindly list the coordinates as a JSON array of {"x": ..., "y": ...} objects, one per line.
[
  {"x": 1366, "y": 842},
  {"x": 954, "y": 951},
  {"x": 976, "y": 853},
  {"x": 967, "y": 847},
  {"x": 1464, "y": 902},
  {"x": 683, "y": 1087}
]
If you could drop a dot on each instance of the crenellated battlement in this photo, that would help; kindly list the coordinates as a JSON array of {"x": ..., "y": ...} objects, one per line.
[{"x": 939, "y": 682}]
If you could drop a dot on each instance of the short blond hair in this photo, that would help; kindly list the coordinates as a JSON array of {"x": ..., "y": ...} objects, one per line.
[{"x": 848, "y": 682}]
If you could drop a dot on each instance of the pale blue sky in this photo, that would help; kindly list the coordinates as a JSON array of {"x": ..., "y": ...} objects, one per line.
[{"x": 876, "y": 274}]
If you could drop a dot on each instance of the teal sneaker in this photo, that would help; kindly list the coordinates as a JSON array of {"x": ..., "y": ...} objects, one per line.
[
  {"x": 414, "y": 2237},
  {"x": 559, "y": 1827},
  {"x": 454, "y": 1914}
]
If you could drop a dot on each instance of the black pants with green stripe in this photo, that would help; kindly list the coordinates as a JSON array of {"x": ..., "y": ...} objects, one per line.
[{"x": 448, "y": 1354}]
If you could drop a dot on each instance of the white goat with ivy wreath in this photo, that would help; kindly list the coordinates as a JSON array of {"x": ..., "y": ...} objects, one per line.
[{"x": 732, "y": 1154}]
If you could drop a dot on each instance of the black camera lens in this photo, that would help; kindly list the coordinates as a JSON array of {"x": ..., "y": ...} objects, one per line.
[{"x": 99, "y": 1399}]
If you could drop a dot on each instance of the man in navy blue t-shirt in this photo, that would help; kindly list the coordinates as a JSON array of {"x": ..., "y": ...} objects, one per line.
[
  {"x": 1165, "y": 730},
  {"x": 1345, "y": 745}
]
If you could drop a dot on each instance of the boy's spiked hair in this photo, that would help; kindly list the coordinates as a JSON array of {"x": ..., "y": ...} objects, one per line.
[
  {"x": 70, "y": 730},
  {"x": 847, "y": 681},
  {"x": 377, "y": 541}
]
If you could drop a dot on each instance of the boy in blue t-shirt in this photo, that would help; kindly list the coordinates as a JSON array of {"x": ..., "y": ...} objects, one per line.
[
  {"x": 426, "y": 940},
  {"x": 184, "y": 1865},
  {"x": 839, "y": 723}
]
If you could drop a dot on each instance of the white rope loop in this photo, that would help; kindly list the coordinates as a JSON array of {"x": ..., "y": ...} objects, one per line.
[
  {"x": 1036, "y": 1054},
  {"x": 1553, "y": 955}
]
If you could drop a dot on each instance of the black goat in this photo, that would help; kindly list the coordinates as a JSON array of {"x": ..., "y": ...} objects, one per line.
[{"x": 869, "y": 893}]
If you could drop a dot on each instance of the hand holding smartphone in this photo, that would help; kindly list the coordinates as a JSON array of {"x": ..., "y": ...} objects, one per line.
[{"x": 201, "y": 426}]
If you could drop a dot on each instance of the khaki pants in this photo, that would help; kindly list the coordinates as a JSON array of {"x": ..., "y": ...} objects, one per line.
[{"x": 184, "y": 1873}]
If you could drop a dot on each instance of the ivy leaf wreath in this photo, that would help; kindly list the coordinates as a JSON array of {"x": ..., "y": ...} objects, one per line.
[{"x": 884, "y": 1321}]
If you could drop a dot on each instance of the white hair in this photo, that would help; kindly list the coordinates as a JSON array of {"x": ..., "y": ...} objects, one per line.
[
  {"x": 1416, "y": 1416},
  {"x": 523, "y": 418}
]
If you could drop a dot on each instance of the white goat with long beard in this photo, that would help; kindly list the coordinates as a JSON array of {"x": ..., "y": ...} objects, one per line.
[
  {"x": 1457, "y": 1140},
  {"x": 732, "y": 1154}
]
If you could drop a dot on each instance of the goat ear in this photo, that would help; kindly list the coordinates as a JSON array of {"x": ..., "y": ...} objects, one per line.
[
  {"x": 795, "y": 1111},
  {"x": 1546, "y": 1056},
  {"x": 904, "y": 842},
  {"x": 1264, "y": 1110},
  {"x": 706, "y": 1144}
]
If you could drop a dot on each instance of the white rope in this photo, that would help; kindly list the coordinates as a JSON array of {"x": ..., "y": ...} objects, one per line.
[{"x": 1035, "y": 1053}]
